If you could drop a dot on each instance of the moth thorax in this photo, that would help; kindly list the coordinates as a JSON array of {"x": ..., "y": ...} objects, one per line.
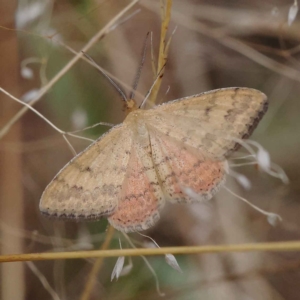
[{"x": 141, "y": 128}]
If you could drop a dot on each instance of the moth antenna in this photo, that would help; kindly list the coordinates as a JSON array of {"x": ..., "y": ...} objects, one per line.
[
  {"x": 152, "y": 86},
  {"x": 139, "y": 70},
  {"x": 115, "y": 85}
]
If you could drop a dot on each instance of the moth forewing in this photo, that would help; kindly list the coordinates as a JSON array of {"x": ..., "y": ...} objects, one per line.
[{"x": 88, "y": 186}]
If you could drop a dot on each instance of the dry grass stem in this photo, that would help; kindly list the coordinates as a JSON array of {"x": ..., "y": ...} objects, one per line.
[
  {"x": 163, "y": 50},
  {"x": 97, "y": 265},
  {"x": 273, "y": 246}
]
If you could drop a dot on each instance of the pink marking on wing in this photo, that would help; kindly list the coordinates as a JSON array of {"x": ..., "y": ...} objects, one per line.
[
  {"x": 138, "y": 206},
  {"x": 189, "y": 169}
]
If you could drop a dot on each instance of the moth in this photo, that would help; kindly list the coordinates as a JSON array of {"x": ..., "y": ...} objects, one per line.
[{"x": 156, "y": 155}]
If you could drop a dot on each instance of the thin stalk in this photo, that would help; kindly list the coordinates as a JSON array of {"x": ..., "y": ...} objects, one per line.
[
  {"x": 97, "y": 265},
  {"x": 272, "y": 246},
  {"x": 162, "y": 54}
]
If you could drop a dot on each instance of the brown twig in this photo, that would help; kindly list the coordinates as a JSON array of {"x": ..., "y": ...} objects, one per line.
[
  {"x": 97, "y": 265},
  {"x": 163, "y": 50},
  {"x": 272, "y": 246}
]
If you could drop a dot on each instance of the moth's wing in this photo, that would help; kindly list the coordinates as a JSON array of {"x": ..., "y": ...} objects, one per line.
[
  {"x": 141, "y": 196},
  {"x": 185, "y": 173},
  {"x": 88, "y": 187},
  {"x": 191, "y": 137},
  {"x": 213, "y": 121}
]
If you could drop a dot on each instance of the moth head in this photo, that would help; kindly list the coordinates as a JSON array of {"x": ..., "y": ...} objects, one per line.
[{"x": 130, "y": 105}]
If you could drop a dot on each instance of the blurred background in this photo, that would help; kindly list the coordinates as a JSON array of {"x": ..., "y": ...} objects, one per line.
[{"x": 217, "y": 44}]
